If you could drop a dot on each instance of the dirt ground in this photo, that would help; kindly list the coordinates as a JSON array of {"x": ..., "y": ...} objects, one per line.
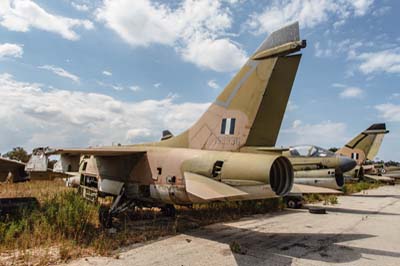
[{"x": 363, "y": 229}]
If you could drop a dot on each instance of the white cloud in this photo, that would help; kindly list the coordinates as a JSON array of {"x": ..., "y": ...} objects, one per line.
[
  {"x": 107, "y": 73},
  {"x": 60, "y": 72},
  {"x": 325, "y": 134},
  {"x": 111, "y": 86},
  {"x": 219, "y": 55},
  {"x": 381, "y": 11},
  {"x": 138, "y": 132},
  {"x": 395, "y": 95},
  {"x": 351, "y": 92},
  {"x": 361, "y": 6},
  {"x": 194, "y": 28},
  {"x": 389, "y": 111},
  {"x": 135, "y": 88},
  {"x": 339, "y": 85},
  {"x": 291, "y": 106},
  {"x": 31, "y": 117},
  {"x": 309, "y": 13},
  {"x": 383, "y": 61},
  {"x": 319, "y": 52},
  {"x": 346, "y": 46},
  {"x": 141, "y": 22},
  {"x": 22, "y": 15},
  {"x": 80, "y": 7},
  {"x": 157, "y": 85},
  {"x": 11, "y": 50},
  {"x": 296, "y": 123},
  {"x": 213, "y": 84}
]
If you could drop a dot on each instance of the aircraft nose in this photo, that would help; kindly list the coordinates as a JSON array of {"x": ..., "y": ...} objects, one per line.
[{"x": 346, "y": 163}]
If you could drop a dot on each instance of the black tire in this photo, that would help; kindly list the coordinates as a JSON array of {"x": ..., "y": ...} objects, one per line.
[
  {"x": 105, "y": 217},
  {"x": 317, "y": 210},
  {"x": 291, "y": 204}
]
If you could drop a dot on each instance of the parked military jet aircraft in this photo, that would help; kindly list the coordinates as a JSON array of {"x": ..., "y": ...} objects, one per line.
[
  {"x": 208, "y": 162},
  {"x": 364, "y": 146},
  {"x": 14, "y": 171},
  {"x": 316, "y": 166}
]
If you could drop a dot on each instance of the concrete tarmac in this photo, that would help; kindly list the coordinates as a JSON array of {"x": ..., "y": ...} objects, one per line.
[{"x": 362, "y": 229}]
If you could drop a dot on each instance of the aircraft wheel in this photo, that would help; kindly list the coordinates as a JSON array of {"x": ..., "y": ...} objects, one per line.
[
  {"x": 169, "y": 210},
  {"x": 294, "y": 202},
  {"x": 291, "y": 204},
  {"x": 105, "y": 217}
]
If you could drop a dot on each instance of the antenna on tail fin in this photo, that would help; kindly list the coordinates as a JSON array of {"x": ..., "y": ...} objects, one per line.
[{"x": 250, "y": 109}]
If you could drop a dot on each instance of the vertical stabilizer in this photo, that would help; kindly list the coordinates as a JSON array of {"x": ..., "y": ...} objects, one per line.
[
  {"x": 365, "y": 146},
  {"x": 250, "y": 109}
]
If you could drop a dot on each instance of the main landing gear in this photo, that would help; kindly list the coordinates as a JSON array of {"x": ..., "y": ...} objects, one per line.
[
  {"x": 119, "y": 205},
  {"x": 168, "y": 210}
]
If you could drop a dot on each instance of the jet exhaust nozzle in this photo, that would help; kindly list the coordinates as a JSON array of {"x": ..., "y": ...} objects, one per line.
[
  {"x": 281, "y": 176},
  {"x": 245, "y": 169}
]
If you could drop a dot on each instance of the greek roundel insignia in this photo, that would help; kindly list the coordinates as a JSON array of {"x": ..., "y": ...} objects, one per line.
[{"x": 228, "y": 126}]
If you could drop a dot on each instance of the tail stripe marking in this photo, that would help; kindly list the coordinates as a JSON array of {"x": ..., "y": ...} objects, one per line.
[{"x": 253, "y": 65}]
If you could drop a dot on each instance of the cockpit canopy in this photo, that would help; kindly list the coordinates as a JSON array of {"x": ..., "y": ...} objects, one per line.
[{"x": 310, "y": 151}]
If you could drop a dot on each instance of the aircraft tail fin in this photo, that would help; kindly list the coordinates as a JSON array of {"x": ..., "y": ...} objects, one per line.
[
  {"x": 365, "y": 145},
  {"x": 250, "y": 109}
]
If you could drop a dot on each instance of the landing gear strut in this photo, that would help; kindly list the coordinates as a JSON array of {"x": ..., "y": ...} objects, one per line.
[
  {"x": 168, "y": 210},
  {"x": 119, "y": 205}
]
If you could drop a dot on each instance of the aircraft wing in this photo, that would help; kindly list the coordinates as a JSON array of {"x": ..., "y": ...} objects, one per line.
[
  {"x": 103, "y": 151},
  {"x": 209, "y": 189},
  {"x": 272, "y": 149},
  {"x": 10, "y": 164},
  {"x": 384, "y": 179},
  {"x": 39, "y": 159},
  {"x": 306, "y": 189}
]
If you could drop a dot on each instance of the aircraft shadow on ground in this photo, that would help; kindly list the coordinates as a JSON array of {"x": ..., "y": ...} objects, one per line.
[
  {"x": 362, "y": 212},
  {"x": 260, "y": 248}
]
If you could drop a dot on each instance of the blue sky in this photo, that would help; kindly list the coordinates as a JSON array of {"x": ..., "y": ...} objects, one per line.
[{"x": 78, "y": 73}]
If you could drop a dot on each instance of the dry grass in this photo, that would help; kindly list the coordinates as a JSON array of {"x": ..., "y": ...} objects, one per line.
[
  {"x": 327, "y": 199},
  {"x": 42, "y": 190},
  {"x": 360, "y": 186},
  {"x": 65, "y": 226},
  {"x": 347, "y": 189}
]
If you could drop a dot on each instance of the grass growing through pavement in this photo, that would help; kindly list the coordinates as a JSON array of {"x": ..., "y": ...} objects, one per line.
[
  {"x": 360, "y": 186},
  {"x": 347, "y": 190},
  {"x": 327, "y": 199}
]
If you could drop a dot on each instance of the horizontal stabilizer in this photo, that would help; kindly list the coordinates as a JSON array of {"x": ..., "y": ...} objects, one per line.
[
  {"x": 209, "y": 189},
  {"x": 282, "y": 36},
  {"x": 376, "y": 127},
  {"x": 306, "y": 189}
]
